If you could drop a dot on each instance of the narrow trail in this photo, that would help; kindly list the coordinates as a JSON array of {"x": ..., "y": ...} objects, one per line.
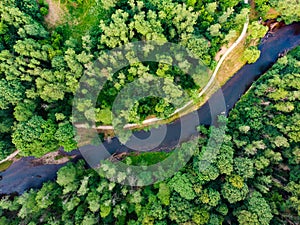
[{"x": 10, "y": 157}]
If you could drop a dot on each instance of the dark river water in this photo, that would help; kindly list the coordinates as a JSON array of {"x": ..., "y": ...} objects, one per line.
[{"x": 23, "y": 174}]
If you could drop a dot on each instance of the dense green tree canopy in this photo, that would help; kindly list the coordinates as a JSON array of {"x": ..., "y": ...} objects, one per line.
[
  {"x": 254, "y": 176},
  {"x": 40, "y": 67}
]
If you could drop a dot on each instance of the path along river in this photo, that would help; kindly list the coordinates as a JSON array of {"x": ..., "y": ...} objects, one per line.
[{"x": 23, "y": 174}]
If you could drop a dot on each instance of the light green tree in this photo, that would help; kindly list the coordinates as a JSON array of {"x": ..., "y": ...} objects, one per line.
[{"x": 251, "y": 54}]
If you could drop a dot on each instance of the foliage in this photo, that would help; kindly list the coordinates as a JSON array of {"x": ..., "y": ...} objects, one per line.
[
  {"x": 40, "y": 68},
  {"x": 35, "y": 137},
  {"x": 251, "y": 54},
  {"x": 258, "y": 211},
  {"x": 253, "y": 178},
  {"x": 287, "y": 10},
  {"x": 147, "y": 158},
  {"x": 257, "y": 156},
  {"x": 181, "y": 184}
]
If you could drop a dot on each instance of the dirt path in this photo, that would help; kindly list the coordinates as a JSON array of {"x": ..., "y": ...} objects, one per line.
[
  {"x": 10, "y": 157},
  {"x": 56, "y": 12},
  {"x": 221, "y": 52}
]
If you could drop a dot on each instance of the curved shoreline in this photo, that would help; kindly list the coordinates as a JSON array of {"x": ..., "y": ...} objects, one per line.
[{"x": 24, "y": 175}]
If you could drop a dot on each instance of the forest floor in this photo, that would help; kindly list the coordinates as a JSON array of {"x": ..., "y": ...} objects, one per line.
[
  {"x": 56, "y": 13},
  {"x": 77, "y": 19}
]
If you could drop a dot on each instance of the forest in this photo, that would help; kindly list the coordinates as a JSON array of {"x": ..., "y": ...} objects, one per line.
[
  {"x": 254, "y": 178},
  {"x": 41, "y": 67}
]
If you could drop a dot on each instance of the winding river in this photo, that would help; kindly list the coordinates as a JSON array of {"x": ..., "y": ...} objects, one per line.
[{"x": 24, "y": 174}]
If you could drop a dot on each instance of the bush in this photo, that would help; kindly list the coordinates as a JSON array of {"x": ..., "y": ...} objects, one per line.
[{"x": 44, "y": 11}]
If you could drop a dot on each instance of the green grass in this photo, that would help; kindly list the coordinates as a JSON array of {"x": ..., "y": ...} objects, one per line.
[
  {"x": 58, "y": 157},
  {"x": 146, "y": 159},
  {"x": 5, "y": 165},
  {"x": 82, "y": 18}
]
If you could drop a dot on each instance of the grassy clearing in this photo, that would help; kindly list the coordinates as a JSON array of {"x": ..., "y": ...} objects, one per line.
[
  {"x": 232, "y": 63},
  {"x": 84, "y": 17},
  {"x": 146, "y": 158},
  {"x": 75, "y": 20}
]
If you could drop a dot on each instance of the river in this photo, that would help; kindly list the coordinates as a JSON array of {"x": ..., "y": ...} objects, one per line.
[{"x": 23, "y": 174}]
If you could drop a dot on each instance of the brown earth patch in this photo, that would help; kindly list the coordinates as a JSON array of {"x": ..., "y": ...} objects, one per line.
[{"x": 56, "y": 13}]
